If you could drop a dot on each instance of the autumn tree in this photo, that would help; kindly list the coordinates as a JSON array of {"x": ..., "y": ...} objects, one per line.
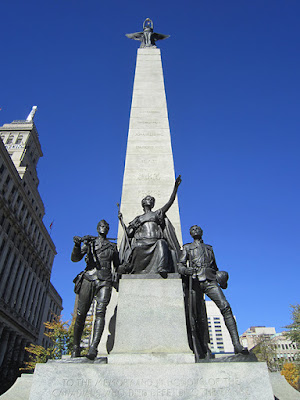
[
  {"x": 61, "y": 334},
  {"x": 291, "y": 374},
  {"x": 265, "y": 350},
  {"x": 293, "y": 329},
  {"x": 291, "y": 371}
]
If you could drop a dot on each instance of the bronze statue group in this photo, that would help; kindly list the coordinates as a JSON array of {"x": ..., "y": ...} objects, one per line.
[{"x": 150, "y": 246}]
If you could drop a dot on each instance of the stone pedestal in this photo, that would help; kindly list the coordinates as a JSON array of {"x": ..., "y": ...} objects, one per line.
[
  {"x": 150, "y": 319},
  {"x": 220, "y": 381}
]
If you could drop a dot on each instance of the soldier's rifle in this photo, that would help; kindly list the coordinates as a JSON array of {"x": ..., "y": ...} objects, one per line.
[{"x": 192, "y": 318}]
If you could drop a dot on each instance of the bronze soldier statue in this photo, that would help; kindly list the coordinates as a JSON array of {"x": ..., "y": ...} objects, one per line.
[
  {"x": 197, "y": 261},
  {"x": 152, "y": 240},
  {"x": 94, "y": 282}
]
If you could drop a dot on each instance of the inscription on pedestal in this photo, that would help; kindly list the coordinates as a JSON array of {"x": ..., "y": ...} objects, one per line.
[{"x": 234, "y": 381}]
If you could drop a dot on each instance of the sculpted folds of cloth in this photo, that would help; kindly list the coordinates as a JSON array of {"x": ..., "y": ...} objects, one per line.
[{"x": 149, "y": 243}]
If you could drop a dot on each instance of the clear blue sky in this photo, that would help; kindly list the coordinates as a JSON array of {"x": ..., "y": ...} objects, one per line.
[{"x": 232, "y": 80}]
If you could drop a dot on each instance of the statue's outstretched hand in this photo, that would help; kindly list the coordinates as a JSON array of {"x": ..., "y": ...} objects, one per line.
[
  {"x": 77, "y": 239},
  {"x": 178, "y": 181}
]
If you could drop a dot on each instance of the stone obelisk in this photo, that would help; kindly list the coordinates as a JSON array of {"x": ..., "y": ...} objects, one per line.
[{"x": 149, "y": 166}]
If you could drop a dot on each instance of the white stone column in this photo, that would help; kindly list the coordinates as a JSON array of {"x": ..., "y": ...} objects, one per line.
[
  {"x": 38, "y": 308},
  {"x": 23, "y": 288},
  {"x": 8, "y": 189},
  {"x": 14, "y": 199},
  {"x": 27, "y": 293},
  {"x": 24, "y": 216},
  {"x": 28, "y": 224},
  {"x": 4, "y": 252},
  {"x": 41, "y": 309},
  {"x": 31, "y": 294},
  {"x": 7, "y": 271},
  {"x": 36, "y": 303},
  {"x": 17, "y": 285},
  {"x": 149, "y": 166},
  {"x": 12, "y": 278},
  {"x": 20, "y": 207}
]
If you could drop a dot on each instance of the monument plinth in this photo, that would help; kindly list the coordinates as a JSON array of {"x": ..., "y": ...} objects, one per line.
[{"x": 151, "y": 324}]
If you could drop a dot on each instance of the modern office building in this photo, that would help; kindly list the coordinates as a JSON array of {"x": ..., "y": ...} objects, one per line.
[
  {"x": 26, "y": 249},
  {"x": 220, "y": 341},
  {"x": 286, "y": 351}
]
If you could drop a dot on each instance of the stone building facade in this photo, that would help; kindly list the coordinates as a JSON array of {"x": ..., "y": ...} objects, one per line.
[
  {"x": 26, "y": 249},
  {"x": 250, "y": 337},
  {"x": 282, "y": 348},
  {"x": 53, "y": 306}
]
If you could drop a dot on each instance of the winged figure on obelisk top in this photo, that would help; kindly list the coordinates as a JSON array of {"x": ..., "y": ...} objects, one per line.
[{"x": 147, "y": 37}]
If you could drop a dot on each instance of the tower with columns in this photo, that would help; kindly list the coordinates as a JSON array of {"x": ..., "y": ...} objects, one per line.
[{"x": 26, "y": 249}]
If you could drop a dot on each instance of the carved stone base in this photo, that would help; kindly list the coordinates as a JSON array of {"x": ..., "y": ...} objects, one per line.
[{"x": 209, "y": 381}]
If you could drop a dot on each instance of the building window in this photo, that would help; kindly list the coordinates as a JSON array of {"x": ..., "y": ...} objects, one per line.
[
  {"x": 10, "y": 139},
  {"x": 19, "y": 140}
]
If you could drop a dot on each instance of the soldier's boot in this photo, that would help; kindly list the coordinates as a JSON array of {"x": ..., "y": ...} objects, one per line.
[
  {"x": 232, "y": 329},
  {"x": 78, "y": 329},
  {"x": 98, "y": 330}
]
